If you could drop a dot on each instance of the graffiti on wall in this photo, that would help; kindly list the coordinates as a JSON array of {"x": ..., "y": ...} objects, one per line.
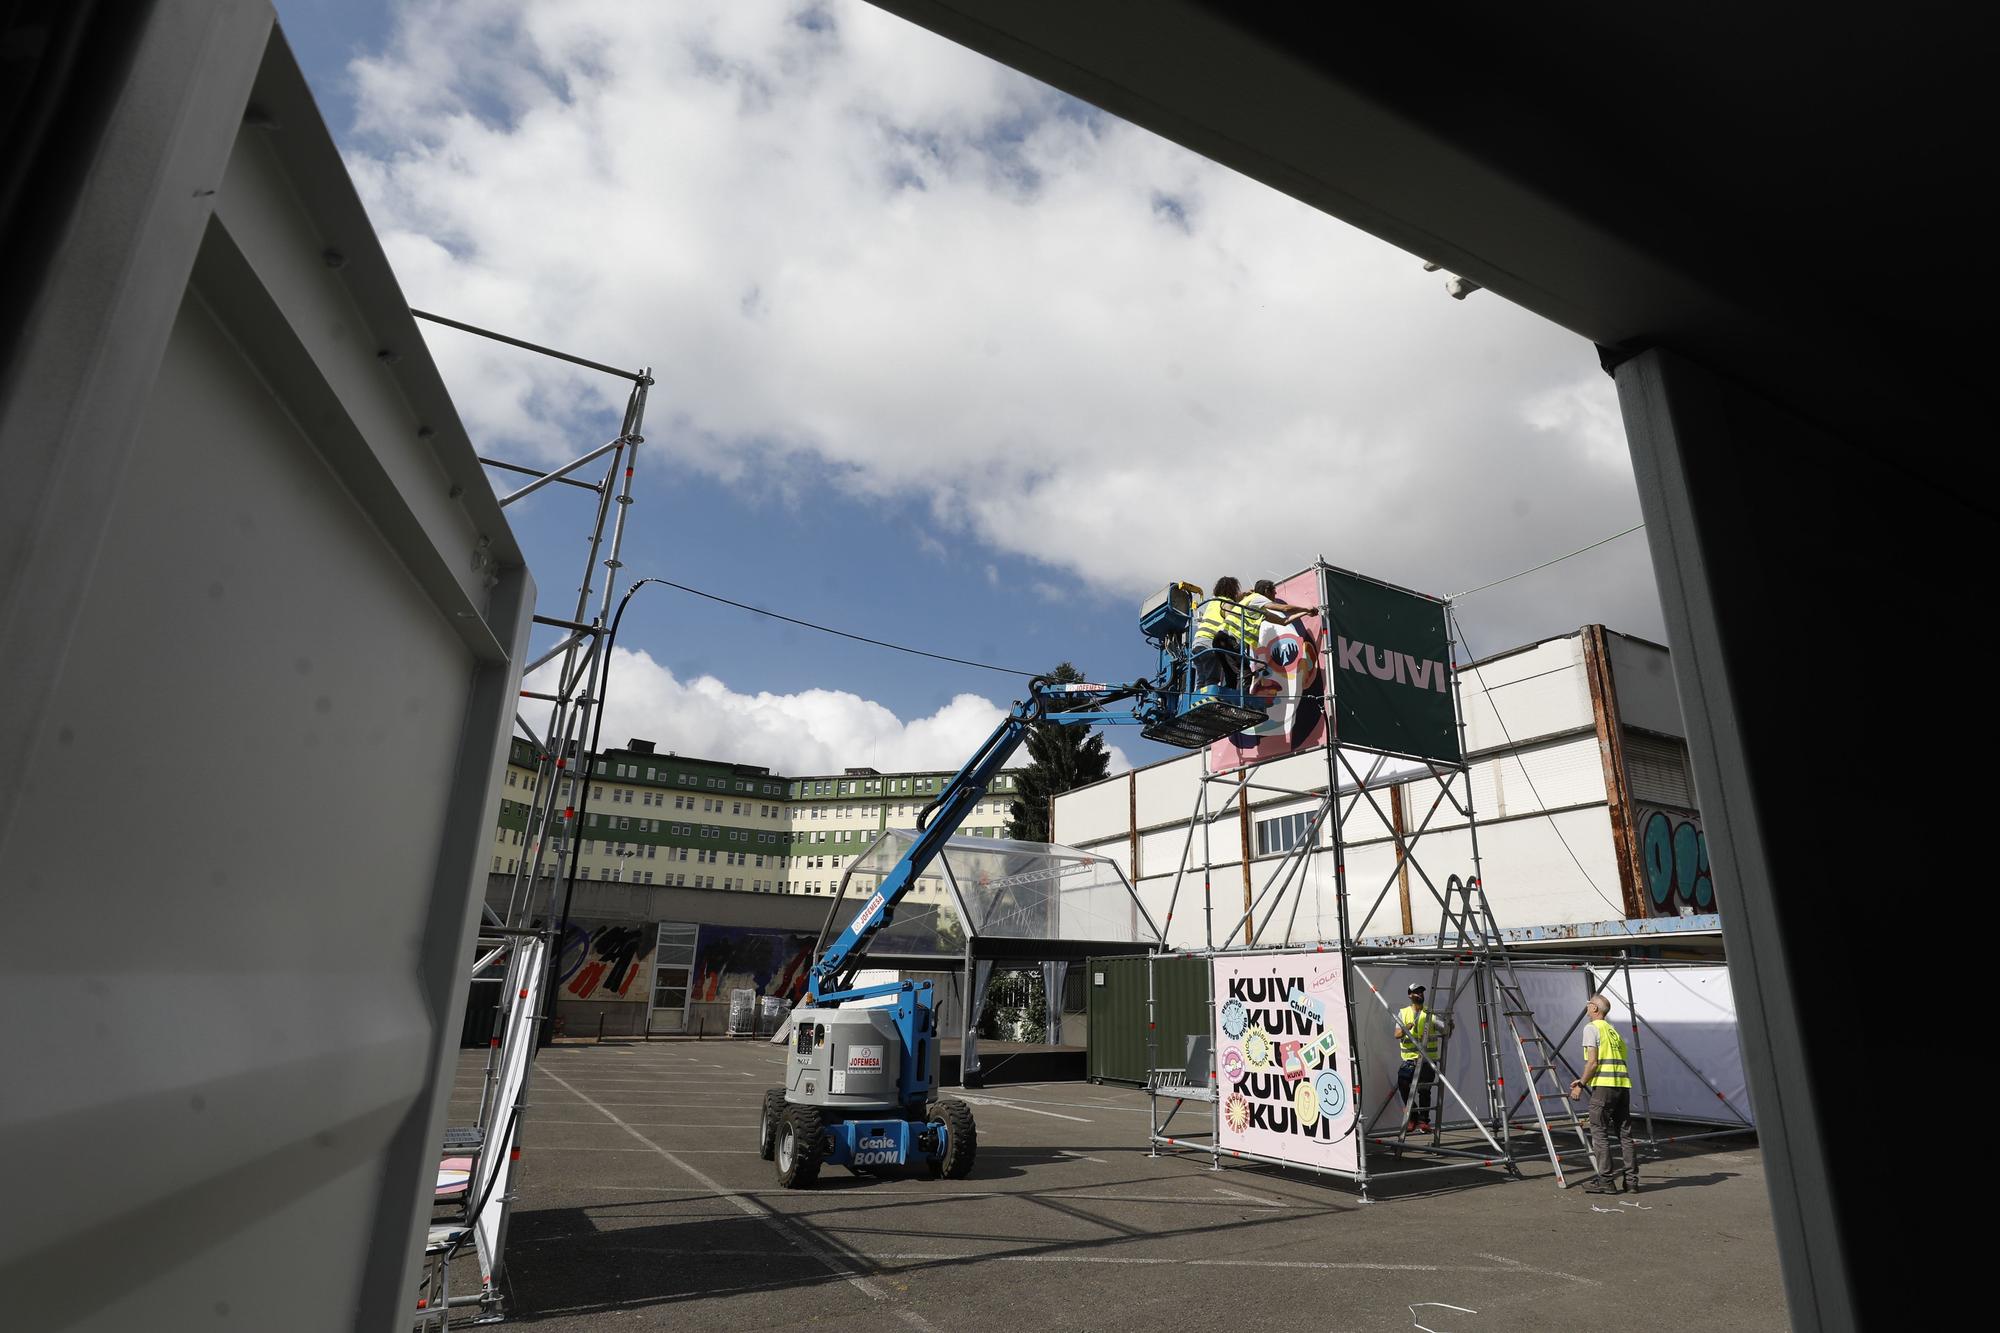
[
  {"x": 1673, "y": 857},
  {"x": 602, "y": 962},
  {"x": 770, "y": 962}
]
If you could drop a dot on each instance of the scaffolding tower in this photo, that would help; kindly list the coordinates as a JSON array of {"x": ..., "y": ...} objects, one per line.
[
  {"x": 1469, "y": 961},
  {"x": 527, "y": 937}
]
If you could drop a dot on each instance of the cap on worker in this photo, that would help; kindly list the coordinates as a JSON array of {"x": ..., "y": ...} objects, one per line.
[{"x": 1416, "y": 989}]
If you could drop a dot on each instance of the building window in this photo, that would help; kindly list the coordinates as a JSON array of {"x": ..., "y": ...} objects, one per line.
[{"x": 1283, "y": 833}]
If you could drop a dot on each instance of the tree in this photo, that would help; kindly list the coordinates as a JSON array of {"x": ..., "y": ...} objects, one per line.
[{"x": 1060, "y": 758}]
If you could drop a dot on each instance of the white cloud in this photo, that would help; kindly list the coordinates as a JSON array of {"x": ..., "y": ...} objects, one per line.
[
  {"x": 842, "y": 241},
  {"x": 813, "y": 731}
]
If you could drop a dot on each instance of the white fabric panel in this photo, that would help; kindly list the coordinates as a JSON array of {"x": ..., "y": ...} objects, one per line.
[
  {"x": 1166, "y": 792},
  {"x": 1556, "y": 996},
  {"x": 1096, "y": 811},
  {"x": 1535, "y": 693},
  {"x": 1692, "y": 1008},
  {"x": 519, "y": 1003},
  {"x": 1421, "y": 794},
  {"x": 1642, "y": 676},
  {"x": 1531, "y": 878},
  {"x": 1549, "y": 778},
  {"x": 1160, "y": 851}
]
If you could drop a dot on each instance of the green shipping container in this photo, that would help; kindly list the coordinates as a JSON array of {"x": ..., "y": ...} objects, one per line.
[{"x": 1117, "y": 1007}]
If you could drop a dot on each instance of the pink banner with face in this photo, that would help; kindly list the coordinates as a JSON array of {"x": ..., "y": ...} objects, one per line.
[
  {"x": 1289, "y": 660},
  {"x": 1285, "y": 1073}
]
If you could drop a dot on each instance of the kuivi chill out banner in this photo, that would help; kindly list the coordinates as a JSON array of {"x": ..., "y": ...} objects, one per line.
[{"x": 1283, "y": 1070}]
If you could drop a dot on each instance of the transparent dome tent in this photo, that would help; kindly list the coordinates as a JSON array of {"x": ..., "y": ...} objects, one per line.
[{"x": 988, "y": 901}]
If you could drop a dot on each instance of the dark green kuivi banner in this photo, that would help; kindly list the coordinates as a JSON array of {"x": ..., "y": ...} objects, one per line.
[{"x": 1388, "y": 653}]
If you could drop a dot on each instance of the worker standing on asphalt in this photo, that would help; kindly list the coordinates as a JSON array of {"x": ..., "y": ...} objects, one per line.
[
  {"x": 1419, "y": 1037},
  {"x": 1610, "y": 1085}
]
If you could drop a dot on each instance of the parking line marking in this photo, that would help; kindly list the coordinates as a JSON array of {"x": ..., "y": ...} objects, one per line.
[
  {"x": 794, "y": 1236},
  {"x": 1056, "y": 1115}
]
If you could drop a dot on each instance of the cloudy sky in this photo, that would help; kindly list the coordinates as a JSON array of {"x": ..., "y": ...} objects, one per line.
[{"x": 944, "y": 357}]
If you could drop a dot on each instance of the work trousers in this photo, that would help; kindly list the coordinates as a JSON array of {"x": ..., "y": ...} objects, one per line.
[
  {"x": 1611, "y": 1115},
  {"x": 1425, "y": 1079},
  {"x": 1223, "y": 666}
]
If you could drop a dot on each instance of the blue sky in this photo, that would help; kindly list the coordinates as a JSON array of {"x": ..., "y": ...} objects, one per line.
[{"x": 943, "y": 357}]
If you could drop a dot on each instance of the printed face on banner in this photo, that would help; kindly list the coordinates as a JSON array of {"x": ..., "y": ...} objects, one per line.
[
  {"x": 1288, "y": 664},
  {"x": 1285, "y": 1072}
]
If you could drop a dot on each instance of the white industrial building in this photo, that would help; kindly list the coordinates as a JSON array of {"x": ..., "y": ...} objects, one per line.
[{"x": 1582, "y": 798}]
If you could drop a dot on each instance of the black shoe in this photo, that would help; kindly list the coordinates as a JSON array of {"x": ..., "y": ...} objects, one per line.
[{"x": 1600, "y": 1187}]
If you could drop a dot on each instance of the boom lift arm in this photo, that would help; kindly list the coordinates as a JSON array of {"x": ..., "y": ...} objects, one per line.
[
  {"x": 832, "y": 975},
  {"x": 861, "y": 1083}
]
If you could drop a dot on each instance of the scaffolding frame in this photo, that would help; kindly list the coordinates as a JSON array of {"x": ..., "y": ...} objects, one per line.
[
  {"x": 562, "y": 755},
  {"x": 1478, "y": 959},
  {"x": 1604, "y": 973}
]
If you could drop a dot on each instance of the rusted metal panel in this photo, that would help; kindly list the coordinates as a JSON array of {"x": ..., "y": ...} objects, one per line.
[{"x": 1611, "y": 750}]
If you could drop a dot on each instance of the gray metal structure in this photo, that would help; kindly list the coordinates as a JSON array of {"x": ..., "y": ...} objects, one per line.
[
  {"x": 1470, "y": 956},
  {"x": 259, "y": 604}
]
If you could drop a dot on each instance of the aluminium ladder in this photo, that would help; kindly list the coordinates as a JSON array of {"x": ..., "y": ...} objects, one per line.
[{"x": 1477, "y": 930}]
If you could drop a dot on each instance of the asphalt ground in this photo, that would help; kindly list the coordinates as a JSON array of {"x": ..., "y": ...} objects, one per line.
[{"x": 642, "y": 1203}]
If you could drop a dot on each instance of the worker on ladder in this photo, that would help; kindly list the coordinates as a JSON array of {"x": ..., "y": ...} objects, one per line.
[
  {"x": 1610, "y": 1084},
  {"x": 1419, "y": 1037}
]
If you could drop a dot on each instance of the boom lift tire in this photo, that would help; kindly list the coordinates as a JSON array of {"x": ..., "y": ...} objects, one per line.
[
  {"x": 800, "y": 1131},
  {"x": 767, "y": 1123},
  {"x": 962, "y": 1137}
]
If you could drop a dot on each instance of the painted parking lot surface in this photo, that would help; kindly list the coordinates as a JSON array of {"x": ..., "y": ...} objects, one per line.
[{"x": 642, "y": 1203}]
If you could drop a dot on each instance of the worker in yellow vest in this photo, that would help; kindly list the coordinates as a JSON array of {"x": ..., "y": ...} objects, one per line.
[
  {"x": 1420, "y": 1040},
  {"x": 1609, "y": 1081},
  {"x": 1232, "y": 625},
  {"x": 1222, "y": 623}
]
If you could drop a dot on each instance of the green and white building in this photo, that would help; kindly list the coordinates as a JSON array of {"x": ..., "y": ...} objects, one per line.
[
  {"x": 834, "y": 817},
  {"x": 669, "y": 819}
]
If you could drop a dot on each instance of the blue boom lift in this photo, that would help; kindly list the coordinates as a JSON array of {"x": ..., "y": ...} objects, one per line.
[{"x": 861, "y": 1084}]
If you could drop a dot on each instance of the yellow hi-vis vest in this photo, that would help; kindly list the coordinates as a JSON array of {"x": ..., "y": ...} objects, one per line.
[
  {"x": 1418, "y": 1025},
  {"x": 1610, "y": 1046},
  {"x": 1219, "y": 615}
]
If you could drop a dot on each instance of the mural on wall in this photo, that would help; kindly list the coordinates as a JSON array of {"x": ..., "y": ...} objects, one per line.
[
  {"x": 1286, "y": 679},
  {"x": 1385, "y": 653},
  {"x": 1673, "y": 858},
  {"x": 770, "y": 962},
  {"x": 602, "y": 962}
]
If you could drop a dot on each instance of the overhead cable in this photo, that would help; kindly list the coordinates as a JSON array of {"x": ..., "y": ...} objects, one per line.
[
  {"x": 1546, "y": 563},
  {"x": 1472, "y": 664},
  {"x": 841, "y": 633}
]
